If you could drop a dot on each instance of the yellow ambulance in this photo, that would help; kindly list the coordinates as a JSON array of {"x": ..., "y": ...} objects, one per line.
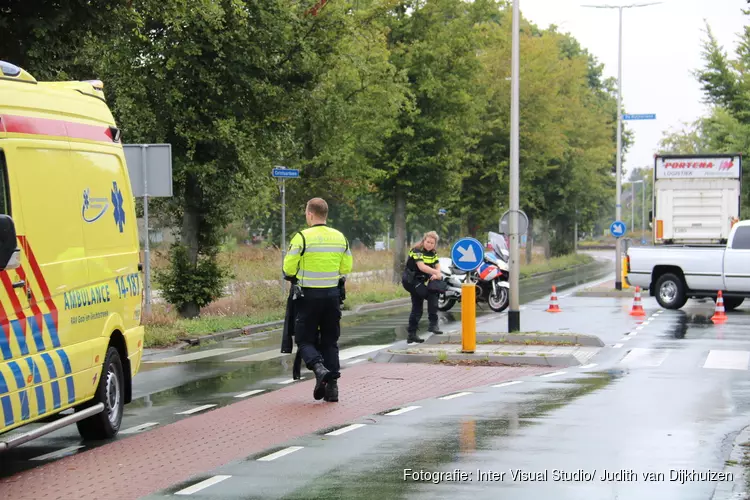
[{"x": 71, "y": 298}]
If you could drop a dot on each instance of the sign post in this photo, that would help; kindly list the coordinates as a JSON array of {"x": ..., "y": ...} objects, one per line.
[
  {"x": 283, "y": 173},
  {"x": 467, "y": 254},
  {"x": 150, "y": 171}
]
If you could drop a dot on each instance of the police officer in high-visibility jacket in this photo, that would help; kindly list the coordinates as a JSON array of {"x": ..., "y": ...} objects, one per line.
[{"x": 318, "y": 257}]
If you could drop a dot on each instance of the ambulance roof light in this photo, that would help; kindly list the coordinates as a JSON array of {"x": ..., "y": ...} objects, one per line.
[
  {"x": 8, "y": 71},
  {"x": 97, "y": 84}
]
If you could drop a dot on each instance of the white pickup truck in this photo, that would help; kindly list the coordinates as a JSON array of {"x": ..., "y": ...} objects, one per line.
[{"x": 675, "y": 274}]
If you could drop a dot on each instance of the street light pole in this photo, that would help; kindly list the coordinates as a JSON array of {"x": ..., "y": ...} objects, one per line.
[
  {"x": 514, "y": 313},
  {"x": 632, "y": 202},
  {"x": 618, "y": 204}
]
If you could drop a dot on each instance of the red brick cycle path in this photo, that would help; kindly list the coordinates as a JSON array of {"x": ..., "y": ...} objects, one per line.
[{"x": 146, "y": 463}]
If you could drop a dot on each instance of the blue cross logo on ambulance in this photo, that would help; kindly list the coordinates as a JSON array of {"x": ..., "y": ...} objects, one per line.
[
  {"x": 93, "y": 208},
  {"x": 119, "y": 210}
]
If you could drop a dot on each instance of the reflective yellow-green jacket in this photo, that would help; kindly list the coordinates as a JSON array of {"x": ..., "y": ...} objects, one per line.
[{"x": 318, "y": 256}]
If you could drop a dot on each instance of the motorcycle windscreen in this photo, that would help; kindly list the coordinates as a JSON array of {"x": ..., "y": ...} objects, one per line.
[{"x": 499, "y": 245}]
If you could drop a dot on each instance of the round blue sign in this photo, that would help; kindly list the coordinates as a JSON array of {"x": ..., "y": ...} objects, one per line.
[
  {"x": 467, "y": 254},
  {"x": 617, "y": 229}
]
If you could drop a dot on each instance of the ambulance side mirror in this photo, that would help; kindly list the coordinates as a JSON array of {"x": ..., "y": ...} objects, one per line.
[{"x": 10, "y": 254}]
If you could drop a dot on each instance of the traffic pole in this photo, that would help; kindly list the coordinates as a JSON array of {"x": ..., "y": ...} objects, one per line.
[{"x": 468, "y": 318}]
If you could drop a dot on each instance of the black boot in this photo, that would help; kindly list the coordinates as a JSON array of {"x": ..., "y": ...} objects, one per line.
[
  {"x": 435, "y": 330},
  {"x": 322, "y": 376},
  {"x": 332, "y": 391},
  {"x": 413, "y": 339}
]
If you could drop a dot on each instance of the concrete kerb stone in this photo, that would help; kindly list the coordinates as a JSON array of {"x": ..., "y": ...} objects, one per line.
[
  {"x": 519, "y": 338},
  {"x": 557, "y": 361},
  {"x": 738, "y": 467}
]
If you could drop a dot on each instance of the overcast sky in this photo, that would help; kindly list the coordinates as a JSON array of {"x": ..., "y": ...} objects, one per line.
[{"x": 661, "y": 47}]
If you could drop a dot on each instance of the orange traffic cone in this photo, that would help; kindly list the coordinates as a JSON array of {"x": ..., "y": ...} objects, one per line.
[
  {"x": 637, "y": 309},
  {"x": 553, "y": 307},
  {"x": 720, "y": 316}
]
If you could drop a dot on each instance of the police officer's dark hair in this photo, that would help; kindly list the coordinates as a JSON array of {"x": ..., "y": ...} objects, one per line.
[{"x": 318, "y": 207}]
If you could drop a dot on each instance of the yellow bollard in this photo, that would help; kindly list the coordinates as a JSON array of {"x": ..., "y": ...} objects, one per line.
[
  {"x": 625, "y": 272},
  {"x": 468, "y": 318}
]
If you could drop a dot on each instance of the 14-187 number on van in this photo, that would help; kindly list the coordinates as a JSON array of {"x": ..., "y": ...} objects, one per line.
[{"x": 128, "y": 285}]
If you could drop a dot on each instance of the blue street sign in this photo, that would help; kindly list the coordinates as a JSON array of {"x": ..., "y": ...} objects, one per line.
[
  {"x": 467, "y": 254},
  {"x": 617, "y": 228},
  {"x": 643, "y": 242},
  {"x": 285, "y": 172},
  {"x": 639, "y": 117}
]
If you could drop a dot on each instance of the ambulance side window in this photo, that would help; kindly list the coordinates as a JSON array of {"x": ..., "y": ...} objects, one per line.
[{"x": 4, "y": 186}]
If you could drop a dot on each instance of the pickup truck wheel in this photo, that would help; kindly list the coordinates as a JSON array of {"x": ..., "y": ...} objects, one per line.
[
  {"x": 670, "y": 292},
  {"x": 732, "y": 303}
]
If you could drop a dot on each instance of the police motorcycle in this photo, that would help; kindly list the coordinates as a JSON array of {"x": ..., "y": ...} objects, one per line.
[{"x": 490, "y": 278}]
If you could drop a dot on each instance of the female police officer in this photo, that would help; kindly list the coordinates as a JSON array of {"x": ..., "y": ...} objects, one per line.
[{"x": 422, "y": 267}]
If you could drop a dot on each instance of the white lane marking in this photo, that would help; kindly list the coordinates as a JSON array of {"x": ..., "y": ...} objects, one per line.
[
  {"x": 139, "y": 428},
  {"x": 290, "y": 381},
  {"x": 202, "y": 485},
  {"x": 280, "y": 453},
  {"x": 249, "y": 393},
  {"x": 361, "y": 350},
  {"x": 401, "y": 411},
  {"x": 639, "y": 328},
  {"x": 506, "y": 384},
  {"x": 356, "y": 361},
  {"x": 196, "y": 355},
  {"x": 258, "y": 356},
  {"x": 624, "y": 339},
  {"x": 59, "y": 453},
  {"x": 633, "y": 334},
  {"x": 590, "y": 365},
  {"x": 195, "y": 410},
  {"x": 727, "y": 360},
  {"x": 553, "y": 374},
  {"x": 617, "y": 346},
  {"x": 457, "y": 395},
  {"x": 344, "y": 430},
  {"x": 639, "y": 356}
]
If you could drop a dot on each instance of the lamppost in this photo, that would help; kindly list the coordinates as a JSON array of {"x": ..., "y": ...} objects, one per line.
[
  {"x": 618, "y": 205},
  {"x": 514, "y": 312}
]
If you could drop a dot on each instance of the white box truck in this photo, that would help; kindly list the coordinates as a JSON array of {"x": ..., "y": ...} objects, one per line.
[{"x": 696, "y": 198}]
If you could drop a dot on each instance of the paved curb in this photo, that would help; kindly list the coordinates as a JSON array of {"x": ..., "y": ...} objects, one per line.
[
  {"x": 521, "y": 338},
  {"x": 511, "y": 360},
  {"x": 737, "y": 489}
]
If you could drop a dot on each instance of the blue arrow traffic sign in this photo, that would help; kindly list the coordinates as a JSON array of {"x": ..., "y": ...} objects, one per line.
[
  {"x": 639, "y": 117},
  {"x": 617, "y": 228},
  {"x": 467, "y": 254},
  {"x": 285, "y": 172}
]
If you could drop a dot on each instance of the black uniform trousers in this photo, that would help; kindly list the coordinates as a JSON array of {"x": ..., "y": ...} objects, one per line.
[
  {"x": 318, "y": 327},
  {"x": 419, "y": 293}
]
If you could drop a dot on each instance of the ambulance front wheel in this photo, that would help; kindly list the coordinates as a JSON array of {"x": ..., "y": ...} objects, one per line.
[{"x": 110, "y": 391}]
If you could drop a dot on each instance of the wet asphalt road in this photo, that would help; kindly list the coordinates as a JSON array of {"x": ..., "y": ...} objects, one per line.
[
  {"x": 175, "y": 384},
  {"x": 665, "y": 396}
]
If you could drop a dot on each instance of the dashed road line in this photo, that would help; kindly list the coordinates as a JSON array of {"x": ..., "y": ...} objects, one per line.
[
  {"x": 638, "y": 328},
  {"x": 625, "y": 339},
  {"x": 290, "y": 381},
  {"x": 590, "y": 365},
  {"x": 59, "y": 453},
  {"x": 727, "y": 360},
  {"x": 617, "y": 346},
  {"x": 280, "y": 453},
  {"x": 250, "y": 393},
  {"x": 195, "y": 410},
  {"x": 633, "y": 333},
  {"x": 202, "y": 485},
  {"x": 139, "y": 428},
  {"x": 553, "y": 374},
  {"x": 457, "y": 395},
  {"x": 401, "y": 411},
  {"x": 344, "y": 430},
  {"x": 506, "y": 384}
]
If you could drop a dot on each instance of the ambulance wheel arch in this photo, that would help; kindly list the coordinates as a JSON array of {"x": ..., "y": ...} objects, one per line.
[{"x": 114, "y": 333}]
